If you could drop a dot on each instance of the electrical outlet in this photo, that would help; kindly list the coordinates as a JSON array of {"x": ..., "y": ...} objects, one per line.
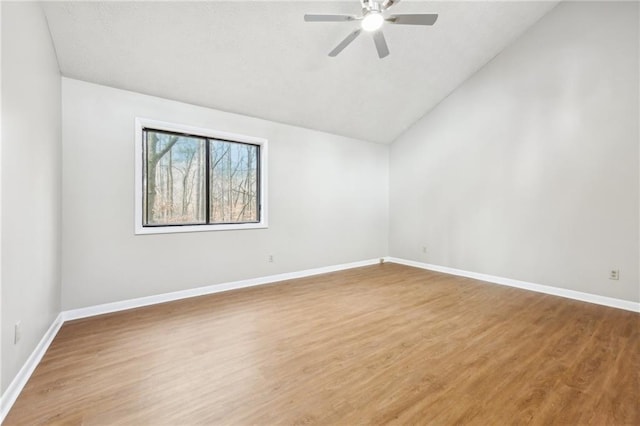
[
  {"x": 614, "y": 274},
  {"x": 381, "y": 260},
  {"x": 17, "y": 333},
  {"x": 270, "y": 259},
  {"x": 424, "y": 249}
]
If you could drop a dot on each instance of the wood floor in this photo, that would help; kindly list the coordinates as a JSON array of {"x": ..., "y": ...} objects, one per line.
[{"x": 380, "y": 344}]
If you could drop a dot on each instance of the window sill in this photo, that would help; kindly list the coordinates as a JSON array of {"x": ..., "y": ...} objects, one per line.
[{"x": 140, "y": 230}]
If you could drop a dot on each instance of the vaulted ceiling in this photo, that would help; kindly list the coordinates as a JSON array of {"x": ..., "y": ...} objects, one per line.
[{"x": 261, "y": 59}]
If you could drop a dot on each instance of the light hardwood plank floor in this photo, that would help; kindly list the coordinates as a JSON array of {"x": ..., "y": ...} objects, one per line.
[{"x": 373, "y": 345}]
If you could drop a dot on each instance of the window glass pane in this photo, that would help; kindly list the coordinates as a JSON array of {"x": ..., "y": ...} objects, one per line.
[
  {"x": 234, "y": 182},
  {"x": 174, "y": 179}
]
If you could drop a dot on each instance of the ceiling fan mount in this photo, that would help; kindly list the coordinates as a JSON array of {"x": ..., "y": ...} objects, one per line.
[{"x": 372, "y": 20}]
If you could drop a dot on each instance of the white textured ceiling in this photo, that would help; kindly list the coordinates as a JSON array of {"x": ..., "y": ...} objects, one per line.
[{"x": 261, "y": 59}]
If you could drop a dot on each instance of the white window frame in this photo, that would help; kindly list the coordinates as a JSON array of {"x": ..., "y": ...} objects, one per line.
[{"x": 143, "y": 123}]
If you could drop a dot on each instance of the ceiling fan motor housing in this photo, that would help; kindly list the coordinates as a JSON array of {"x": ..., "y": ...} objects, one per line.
[
  {"x": 371, "y": 6},
  {"x": 377, "y": 5}
]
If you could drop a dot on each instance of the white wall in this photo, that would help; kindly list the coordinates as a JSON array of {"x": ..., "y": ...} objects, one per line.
[
  {"x": 529, "y": 170},
  {"x": 327, "y": 202},
  {"x": 31, "y": 182}
]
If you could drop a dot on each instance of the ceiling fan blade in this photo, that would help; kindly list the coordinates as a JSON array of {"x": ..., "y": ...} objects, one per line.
[
  {"x": 344, "y": 43},
  {"x": 414, "y": 19},
  {"x": 328, "y": 18},
  {"x": 381, "y": 44}
]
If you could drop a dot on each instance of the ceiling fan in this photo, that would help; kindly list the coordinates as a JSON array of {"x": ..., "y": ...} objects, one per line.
[{"x": 372, "y": 19}]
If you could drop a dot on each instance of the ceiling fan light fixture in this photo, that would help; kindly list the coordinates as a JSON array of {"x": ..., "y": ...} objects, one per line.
[{"x": 372, "y": 22}]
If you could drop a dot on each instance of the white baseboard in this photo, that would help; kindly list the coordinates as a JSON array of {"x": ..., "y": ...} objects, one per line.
[
  {"x": 21, "y": 379},
  {"x": 556, "y": 291},
  {"x": 201, "y": 291}
]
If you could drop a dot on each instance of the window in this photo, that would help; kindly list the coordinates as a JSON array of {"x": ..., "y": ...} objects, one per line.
[{"x": 191, "y": 179}]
